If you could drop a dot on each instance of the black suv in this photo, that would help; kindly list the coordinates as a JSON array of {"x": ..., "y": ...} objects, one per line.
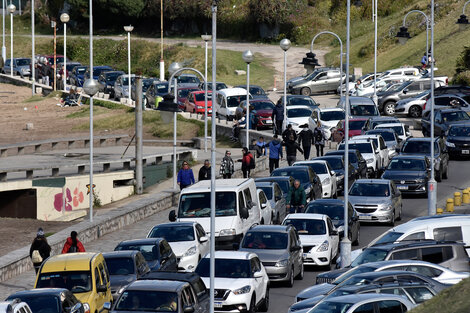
[
  {"x": 443, "y": 118},
  {"x": 422, "y": 146},
  {"x": 458, "y": 140}
]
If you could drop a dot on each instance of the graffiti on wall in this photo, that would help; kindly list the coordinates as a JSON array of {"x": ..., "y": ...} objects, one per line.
[{"x": 72, "y": 200}]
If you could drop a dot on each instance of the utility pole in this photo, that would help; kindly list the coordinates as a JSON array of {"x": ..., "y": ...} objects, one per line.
[{"x": 139, "y": 186}]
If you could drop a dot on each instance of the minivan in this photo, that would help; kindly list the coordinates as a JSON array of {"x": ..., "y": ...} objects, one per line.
[
  {"x": 237, "y": 208},
  {"x": 228, "y": 100}
]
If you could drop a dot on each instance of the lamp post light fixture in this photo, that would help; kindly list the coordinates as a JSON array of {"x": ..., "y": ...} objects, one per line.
[
  {"x": 285, "y": 45},
  {"x": 206, "y": 39},
  {"x": 403, "y": 35},
  {"x": 173, "y": 69},
  {"x": 248, "y": 58},
  {"x": 65, "y": 18},
  {"x": 129, "y": 29},
  {"x": 463, "y": 21},
  {"x": 11, "y": 10}
]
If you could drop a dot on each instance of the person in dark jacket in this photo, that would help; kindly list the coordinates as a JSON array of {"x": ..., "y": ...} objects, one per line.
[
  {"x": 275, "y": 153},
  {"x": 40, "y": 244},
  {"x": 296, "y": 198},
  {"x": 278, "y": 117},
  {"x": 227, "y": 166},
  {"x": 288, "y": 132},
  {"x": 72, "y": 244},
  {"x": 319, "y": 139},
  {"x": 185, "y": 176},
  {"x": 306, "y": 139},
  {"x": 246, "y": 161},
  {"x": 205, "y": 171},
  {"x": 291, "y": 150}
]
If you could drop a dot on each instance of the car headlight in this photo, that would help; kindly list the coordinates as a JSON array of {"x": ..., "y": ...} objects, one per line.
[
  {"x": 386, "y": 208},
  {"x": 450, "y": 144},
  {"x": 227, "y": 232},
  {"x": 369, "y": 161},
  {"x": 200, "y": 106},
  {"x": 242, "y": 290},
  {"x": 86, "y": 307},
  {"x": 282, "y": 263},
  {"x": 324, "y": 246},
  {"x": 190, "y": 251},
  {"x": 326, "y": 181},
  {"x": 420, "y": 180}
]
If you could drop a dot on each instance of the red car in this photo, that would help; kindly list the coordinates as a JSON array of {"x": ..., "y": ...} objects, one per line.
[
  {"x": 263, "y": 109},
  {"x": 183, "y": 94},
  {"x": 356, "y": 128},
  {"x": 195, "y": 102}
]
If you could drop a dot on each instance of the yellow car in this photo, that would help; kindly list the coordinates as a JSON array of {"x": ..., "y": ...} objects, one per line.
[{"x": 84, "y": 274}]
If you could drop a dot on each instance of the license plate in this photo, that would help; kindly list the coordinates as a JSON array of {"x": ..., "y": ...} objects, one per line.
[
  {"x": 465, "y": 151},
  {"x": 401, "y": 187},
  {"x": 217, "y": 304},
  {"x": 269, "y": 122},
  {"x": 365, "y": 217}
]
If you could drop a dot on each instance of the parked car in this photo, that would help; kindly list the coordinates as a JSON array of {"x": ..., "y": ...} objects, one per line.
[
  {"x": 124, "y": 267},
  {"x": 318, "y": 236},
  {"x": 21, "y": 67},
  {"x": 154, "y": 93},
  {"x": 460, "y": 100},
  {"x": 187, "y": 80},
  {"x": 402, "y": 130},
  {"x": 70, "y": 66},
  {"x": 376, "y": 200},
  {"x": 106, "y": 81},
  {"x": 57, "y": 300},
  {"x": 356, "y": 127},
  {"x": 410, "y": 173},
  {"x": 457, "y": 140},
  {"x": 121, "y": 86},
  {"x": 156, "y": 251},
  {"x": 218, "y": 86},
  {"x": 263, "y": 111},
  {"x": 422, "y": 146},
  {"x": 390, "y": 137},
  {"x": 298, "y": 115},
  {"x": 257, "y": 92},
  {"x": 369, "y": 152},
  {"x": 453, "y": 89},
  {"x": 377, "y": 120},
  {"x": 325, "y": 173},
  {"x": 355, "y": 158},
  {"x": 146, "y": 83},
  {"x": 328, "y": 118},
  {"x": 299, "y": 100},
  {"x": 367, "y": 89},
  {"x": 307, "y": 177},
  {"x": 334, "y": 208},
  {"x": 196, "y": 102},
  {"x": 336, "y": 163},
  {"x": 320, "y": 80},
  {"x": 273, "y": 193},
  {"x": 279, "y": 250},
  {"x": 412, "y": 107},
  {"x": 284, "y": 182},
  {"x": 77, "y": 76},
  {"x": 443, "y": 119},
  {"x": 241, "y": 282},
  {"x": 14, "y": 306},
  {"x": 183, "y": 94},
  {"x": 97, "y": 70},
  {"x": 228, "y": 100},
  {"x": 359, "y": 106},
  {"x": 381, "y": 147}
]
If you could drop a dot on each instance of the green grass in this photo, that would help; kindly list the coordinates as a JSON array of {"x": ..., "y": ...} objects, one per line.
[
  {"x": 34, "y": 98},
  {"x": 85, "y": 112}
]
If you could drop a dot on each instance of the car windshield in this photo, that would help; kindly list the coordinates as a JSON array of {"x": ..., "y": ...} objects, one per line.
[
  {"x": 419, "y": 147},
  {"x": 264, "y": 105},
  {"x": 199, "y": 204},
  {"x": 23, "y": 62},
  {"x": 98, "y": 71},
  {"x": 307, "y": 226},
  {"x": 120, "y": 266},
  {"x": 388, "y": 237},
  {"x": 332, "y": 115},
  {"x": 369, "y": 190},
  {"x": 364, "y": 110},
  {"x": 459, "y": 131},
  {"x": 268, "y": 191},
  {"x": 318, "y": 168},
  {"x": 335, "y": 163},
  {"x": 354, "y": 271},
  {"x": 75, "y": 281},
  {"x": 387, "y": 136},
  {"x": 331, "y": 307},
  {"x": 364, "y": 147},
  {"x": 125, "y": 80},
  {"x": 292, "y": 113},
  {"x": 301, "y": 175},
  {"x": 184, "y": 93},
  {"x": 225, "y": 268},
  {"x": 149, "y": 251},
  {"x": 37, "y": 303},
  {"x": 334, "y": 210},
  {"x": 302, "y": 101},
  {"x": 173, "y": 233},
  {"x": 188, "y": 80},
  {"x": 455, "y": 116},
  {"x": 147, "y": 300},
  {"x": 356, "y": 125},
  {"x": 80, "y": 70},
  {"x": 265, "y": 240},
  {"x": 202, "y": 97},
  {"x": 234, "y": 101},
  {"x": 406, "y": 165},
  {"x": 161, "y": 88},
  {"x": 111, "y": 77},
  {"x": 379, "y": 122},
  {"x": 397, "y": 129},
  {"x": 257, "y": 91},
  {"x": 369, "y": 255}
]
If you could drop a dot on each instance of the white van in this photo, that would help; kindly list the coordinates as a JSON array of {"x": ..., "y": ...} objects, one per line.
[
  {"x": 237, "y": 208},
  {"x": 228, "y": 100}
]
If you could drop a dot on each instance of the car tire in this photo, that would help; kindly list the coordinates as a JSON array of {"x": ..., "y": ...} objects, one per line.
[
  {"x": 356, "y": 242},
  {"x": 290, "y": 282},
  {"x": 399, "y": 214},
  {"x": 265, "y": 305},
  {"x": 445, "y": 174},
  {"x": 252, "y": 308},
  {"x": 392, "y": 222},
  {"x": 415, "y": 111},
  {"x": 438, "y": 175},
  {"x": 305, "y": 91},
  {"x": 389, "y": 108},
  {"x": 300, "y": 276}
]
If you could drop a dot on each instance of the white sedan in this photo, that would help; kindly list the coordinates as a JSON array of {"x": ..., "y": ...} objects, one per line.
[
  {"x": 298, "y": 115},
  {"x": 325, "y": 173},
  {"x": 319, "y": 238},
  {"x": 188, "y": 241}
]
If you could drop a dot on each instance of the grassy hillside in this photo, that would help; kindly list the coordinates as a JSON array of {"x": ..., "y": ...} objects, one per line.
[{"x": 452, "y": 300}]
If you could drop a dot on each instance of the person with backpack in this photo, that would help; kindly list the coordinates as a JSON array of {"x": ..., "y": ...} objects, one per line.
[
  {"x": 289, "y": 132},
  {"x": 248, "y": 162},
  {"x": 319, "y": 138},
  {"x": 291, "y": 150},
  {"x": 306, "y": 139},
  {"x": 227, "y": 167},
  {"x": 40, "y": 250},
  {"x": 275, "y": 153},
  {"x": 278, "y": 117},
  {"x": 72, "y": 244}
]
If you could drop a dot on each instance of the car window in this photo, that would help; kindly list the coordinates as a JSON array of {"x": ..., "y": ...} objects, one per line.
[
  {"x": 188, "y": 297},
  {"x": 330, "y": 226},
  {"x": 390, "y": 306},
  {"x": 413, "y": 86},
  {"x": 419, "y": 294},
  {"x": 255, "y": 265},
  {"x": 365, "y": 308},
  {"x": 97, "y": 278},
  {"x": 200, "y": 231},
  {"x": 247, "y": 194},
  {"x": 241, "y": 202},
  {"x": 409, "y": 254},
  {"x": 448, "y": 234},
  {"x": 277, "y": 191},
  {"x": 262, "y": 199},
  {"x": 415, "y": 236},
  {"x": 103, "y": 273},
  {"x": 432, "y": 255},
  {"x": 199, "y": 287},
  {"x": 424, "y": 270},
  {"x": 393, "y": 291}
]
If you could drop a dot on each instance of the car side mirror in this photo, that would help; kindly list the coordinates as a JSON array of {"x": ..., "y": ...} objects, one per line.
[
  {"x": 188, "y": 309},
  {"x": 78, "y": 308},
  {"x": 101, "y": 288},
  {"x": 244, "y": 214},
  {"x": 203, "y": 239},
  {"x": 263, "y": 205},
  {"x": 332, "y": 173},
  {"x": 172, "y": 216},
  {"x": 107, "y": 306},
  {"x": 258, "y": 274}
]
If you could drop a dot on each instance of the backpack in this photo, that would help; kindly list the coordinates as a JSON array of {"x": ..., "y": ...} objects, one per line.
[
  {"x": 36, "y": 257},
  {"x": 252, "y": 163},
  {"x": 318, "y": 135},
  {"x": 72, "y": 249}
]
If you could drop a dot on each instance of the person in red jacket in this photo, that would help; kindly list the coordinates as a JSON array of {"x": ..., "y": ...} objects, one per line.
[
  {"x": 72, "y": 244},
  {"x": 247, "y": 162}
]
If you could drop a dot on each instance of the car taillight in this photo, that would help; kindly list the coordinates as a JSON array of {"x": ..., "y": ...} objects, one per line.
[{"x": 424, "y": 106}]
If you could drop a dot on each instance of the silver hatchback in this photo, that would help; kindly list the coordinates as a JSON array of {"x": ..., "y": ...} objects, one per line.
[{"x": 376, "y": 200}]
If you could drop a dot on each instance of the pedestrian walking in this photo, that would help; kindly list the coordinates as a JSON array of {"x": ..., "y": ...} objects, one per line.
[
  {"x": 275, "y": 153},
  {"x": 227, "y": 167},
  {"x": 248, "y": 162},
  {"x": 306, "y": 139},
  {"x": 424, "y": 61},
  {"x": 291, "y": 150},
  {"x": 288, "y": 132},
  {"x": 205, "y": 171},
  {"x": 39, "y": 250},
  {"x": 278, "y": 117},
  {"x": 296, "y": 198},
  {"x": 319, "y": 138},
  {"x": 72, "y": 244},
  {"x": 185, "y": 176}
]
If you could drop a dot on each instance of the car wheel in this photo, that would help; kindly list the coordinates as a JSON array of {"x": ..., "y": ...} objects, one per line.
[
  {"x": 290, "y": 282},
  {"x": 415, "y": 111},
  {"x": 252, "y": 308},
  {"x": 389, "y": 108},
  {"x": 305, "y": 91},
  {"x": 356, "y": 242},
  {"x": 392, "y": 222},
  {"x": 300, "y": 276},
  {"x": 399, "y": 214},
  {"x": 445, "y": 175},
  {"x": 438, "y": 176},
  {"x": 265, "y": 305}
]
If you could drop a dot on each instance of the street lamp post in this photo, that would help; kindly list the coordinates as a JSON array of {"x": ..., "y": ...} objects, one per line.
[
  {"x": 129, "y": 29},
  {"x": 162, "y": 62},
  {"x": 340, "y": 55},
  {"x": 92, "y": 88},
  {"x": 64, "y": 18},
  {"x": 4, "y": 49},
  {"x": 206, "y": 39},
  {"x": 374, "y": 96},
  {"x": 248, "y": 58},
  {"x": 403, "y": 35},
  {"x": 11, "y": 10},
  {"x": 174, "y": 68},
  {"x": 33, "y": 59},
  {"x": 463, "y": 21},
  {"x": 285, "y": 45}
]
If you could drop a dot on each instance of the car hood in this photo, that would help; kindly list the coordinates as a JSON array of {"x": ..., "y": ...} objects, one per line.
[
  {"x": 314, "y": 291},
  {"x": 368, "y": 200},
  {"x": 180, "y": 247},
  {"x": 295, "y": 80},
  {"x": 459, "y": 139},
  {"x": 264, "y": 113},
  {"x": 118, "y": 281},
  {"x": 269, "y": 255},
  {"x": 330, "y": 124},
  {"x": 305, "y": 304},
  {"x": 227, "y": 283},
  {"x": 298, "y": 120},
  {"x": 403, "y": 175},
  {"x": 202, "y": 103},
  {"x": 312, "y": 240}
]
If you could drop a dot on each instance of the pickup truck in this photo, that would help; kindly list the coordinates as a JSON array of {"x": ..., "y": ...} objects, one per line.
[{"x": 320, "y": 80}]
